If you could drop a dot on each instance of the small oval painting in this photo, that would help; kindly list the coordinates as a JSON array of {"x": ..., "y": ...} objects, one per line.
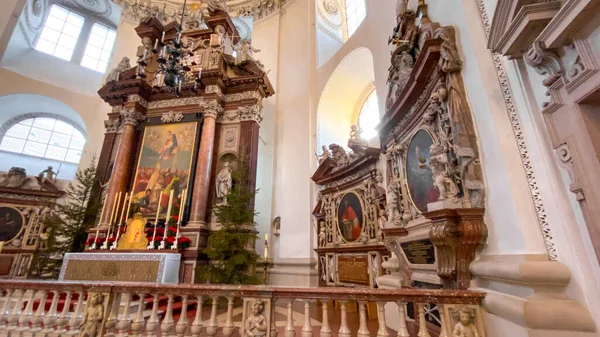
[
  {"x": 350, "y": 217},
  {"x": 11, "y": 222},
  {"x": 418, "y": 173}
]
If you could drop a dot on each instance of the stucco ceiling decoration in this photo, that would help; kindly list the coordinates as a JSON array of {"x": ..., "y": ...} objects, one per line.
[
  {"x": 101, "y": 8},
  {"x": 168, "y": 10},
  {"x": 32, "y": 19}
]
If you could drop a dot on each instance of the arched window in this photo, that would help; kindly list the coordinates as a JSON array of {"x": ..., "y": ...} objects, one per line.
[
  {"x": 44, "y": 137},
  {"x": 356, "y": 11},
  {"x": 368, "y": 117}
]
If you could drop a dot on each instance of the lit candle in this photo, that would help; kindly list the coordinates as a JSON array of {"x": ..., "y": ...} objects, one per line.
[
  {"x": 155, "y": 44},
  {"x": 158, "y": 208},
  {"x": 162, "y": 39},
  {"x": 169, "y": 207},
  {"x": 266, "y": 247}
]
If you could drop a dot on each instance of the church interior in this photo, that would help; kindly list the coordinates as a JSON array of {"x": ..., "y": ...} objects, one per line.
[{"x": 257, "y": 168}]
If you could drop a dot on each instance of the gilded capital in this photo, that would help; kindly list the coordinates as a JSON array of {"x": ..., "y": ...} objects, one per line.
[
  {"x": 211, "y": 108},
  {"x": 131, "y": 116}
]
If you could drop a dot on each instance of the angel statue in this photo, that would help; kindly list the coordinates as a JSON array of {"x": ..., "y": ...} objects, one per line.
[
  {"x": 114, "y": 74},
  {"x": 91, "y": 323},
  {"x": 245, "y": 52},
  {"x": 465, "y": 326}
]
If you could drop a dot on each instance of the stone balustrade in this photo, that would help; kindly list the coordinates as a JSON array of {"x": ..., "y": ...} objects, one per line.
[{"x": 49, "y": 309}]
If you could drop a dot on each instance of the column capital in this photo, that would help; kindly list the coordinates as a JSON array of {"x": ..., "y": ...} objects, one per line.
[
  {"x": 211, "y": 108},
  {"x": 112, "y": 125},
  {"x": 250, "y": 113},
  {"x": 130, "y": 116}
]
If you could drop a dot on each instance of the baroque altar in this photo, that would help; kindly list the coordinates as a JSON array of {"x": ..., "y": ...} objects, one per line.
[
  {"x": 167, "y": 153},
  {"x": 349, "y": 215},
  {"x": 435, "y": 187}
]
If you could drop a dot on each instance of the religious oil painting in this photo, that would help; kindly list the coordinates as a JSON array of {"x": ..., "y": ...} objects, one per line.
[
  {"x": 350, "y": 217},
  {"x": 11, "y": 222},
  {"x": 164, "y": 165},
  {"x": 419, "y": 177}
]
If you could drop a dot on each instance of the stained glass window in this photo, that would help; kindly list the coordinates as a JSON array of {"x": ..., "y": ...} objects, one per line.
[{"x": 45, "y": 137}]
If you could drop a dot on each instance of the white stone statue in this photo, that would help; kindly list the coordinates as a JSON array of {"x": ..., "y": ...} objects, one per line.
[
  {"x": 322, "y": 235},
  {"x": 399, "y": 73},
  {"x": 144, "y": 51},
  {"x": 223, "y": 183},
  {"x": 91, "y": 324},
  {"x": 441, "y": 177},
  {"x": 48, "y": 175},
  {"x": 356, "y": 136},
  {"x": 245, "y": 52},
  {"x": 256, "y": 323},
  {"x": 465, "y": 326},
  {"x": 114, "y": 74},
  {"x": 381, "y": 225},
  {"x": 326, "y": 154}
]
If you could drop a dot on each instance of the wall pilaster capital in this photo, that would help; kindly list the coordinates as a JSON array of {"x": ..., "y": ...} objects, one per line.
[
  {"x": 112, "y": 125},
  {"x": 250, "y": 113},
  {"x": 130, "y": 116},
  {"x": 211, "y": 108},
  {"x": 545, "y": 62}
]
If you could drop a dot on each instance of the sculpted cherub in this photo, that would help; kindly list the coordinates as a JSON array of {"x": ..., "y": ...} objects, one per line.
[
  {"x": 256, "y": 324},
  {"x": 322, "y": 235},
  {"x": 93, "y": 316},
  {"x": 465, "y": 326}
]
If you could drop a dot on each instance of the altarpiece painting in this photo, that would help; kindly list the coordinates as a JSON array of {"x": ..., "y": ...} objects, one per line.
[{"x": 164, "y": 165}]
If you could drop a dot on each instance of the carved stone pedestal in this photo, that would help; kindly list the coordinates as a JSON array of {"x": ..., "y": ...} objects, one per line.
[{"x": 456, "y": 234}]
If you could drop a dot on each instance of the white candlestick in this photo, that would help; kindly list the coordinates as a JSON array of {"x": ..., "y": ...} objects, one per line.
[{"x": 162, "y": 39}]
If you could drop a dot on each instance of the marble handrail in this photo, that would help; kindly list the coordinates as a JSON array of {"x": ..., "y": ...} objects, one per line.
[{"x": 132, "y": 309}]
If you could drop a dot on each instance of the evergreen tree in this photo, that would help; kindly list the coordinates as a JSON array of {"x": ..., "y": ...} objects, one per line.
[
  {"x": 231, "y": 260},
  {"x": 67, "y": 225}
]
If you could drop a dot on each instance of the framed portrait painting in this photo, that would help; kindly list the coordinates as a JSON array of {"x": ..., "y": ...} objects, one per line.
[
  {"x": 419, "y": 177},
  {"x": 350, "y": 217},
  {"x": 164, "y": 165}
]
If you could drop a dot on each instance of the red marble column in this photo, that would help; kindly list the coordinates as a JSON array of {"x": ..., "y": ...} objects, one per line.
[
  {"x": 122, "y": 166},
  {"x": 199, "y": 206}
]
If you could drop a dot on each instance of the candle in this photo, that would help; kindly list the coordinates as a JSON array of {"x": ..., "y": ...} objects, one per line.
[
  {"x": 192, "y": 46},
  {"x": 112, "y": 212},
  {"x": 103, "y": 208},
  {"x": 1, "y": 246},
  {"x": 116, "y": 214},
  {"x": 158, "y": 208},
  {"x": 266, "y": 253},
  {"x": 162, "y": 39},
  {"x": 155, "y": 44},
  {"x": 128, "y": 206},
  {"x": 182, "y": 205},
  {"x": 169, "y": 207},
  {"x": 123, "y": 208}
]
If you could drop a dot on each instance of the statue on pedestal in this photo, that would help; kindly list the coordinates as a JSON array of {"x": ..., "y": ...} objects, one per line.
[
  {"x": 245, "y": 52},
  {"x": 223, "y": 183},
  {"x": 114, "y": 74},
  {"x": 16, "y": 177},
  {"x": 256, "y": 323}
]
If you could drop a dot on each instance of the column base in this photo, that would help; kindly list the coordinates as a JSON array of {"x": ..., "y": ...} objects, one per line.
[
  {"x": 299, "y": 272},
  {"x": 196, "y": 224}
]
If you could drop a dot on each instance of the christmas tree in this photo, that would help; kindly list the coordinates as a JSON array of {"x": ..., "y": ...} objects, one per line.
[
  {"x": 231, "y": 259},
  {"x": 65, "y": 228}
]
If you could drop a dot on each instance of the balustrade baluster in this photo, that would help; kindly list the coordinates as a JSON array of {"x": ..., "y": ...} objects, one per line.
[
  {"x": 26, "y": 315},
  {"x": 211, "y": 329},
  {"x": 6, "y": 309},
  {"x": 307, "y": 330},
  {"x": 197, "y": 325},
  {"x": 228, "y": 328},
  {"x": 166, "y": 327},
  {"x": 273, "y": 325},
  {"x": 152, "y": 324},
  {"x": 363, "y": 330},
  {"x": 325, "y": 328},
  {"x": 402, "y": 330},
  {"x": 50, "y": 317},
  {"x": 125, "y": 320},
  {"x": 38, "y": 317},
  {"x": 13, "y": 318},
  {"x": 344, "y": 330},
  {"x": 423, "y": 331},
  {"x": 63, "y": 318},
  {"x": 77, "y": 315},
  {"x": 443, "y": 327},
  {"x": 182, "y": 323},
  {"x": 382, "y": 332},
  {"x": 289, "y": 330},
  {"x": 137, "y": 326},
  {"x": 111, "y": 322}
]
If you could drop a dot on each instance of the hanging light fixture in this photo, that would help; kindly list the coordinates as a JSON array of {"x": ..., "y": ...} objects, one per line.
[{"x": 173, "y": 61}]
